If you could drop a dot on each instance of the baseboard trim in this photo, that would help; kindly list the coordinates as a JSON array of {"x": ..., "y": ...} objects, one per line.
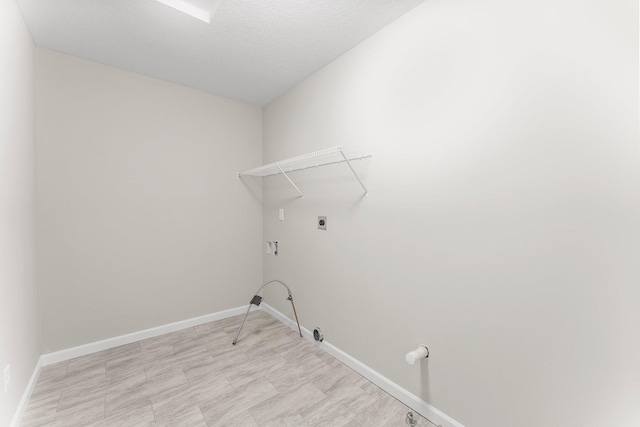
[
  {"x": 414, "y": 402},
  {"x": 17, "y": 416},
  {"x": 82, "y": 350},
  {"x": 411, "y": 400}
]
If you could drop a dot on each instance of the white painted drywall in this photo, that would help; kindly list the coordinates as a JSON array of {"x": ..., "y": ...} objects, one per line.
[
  {"x": 19, "y": 334},
  {"x": 141, "y": 219},
  {"x": 502, "y": 224}
]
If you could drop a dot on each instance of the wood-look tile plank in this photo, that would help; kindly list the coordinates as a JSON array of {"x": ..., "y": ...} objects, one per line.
[
  {"x": 352, "y": 397},
  {"x": 42, "y": 410},
  {"x": 220, "y": 344},
  {"x": 286, "y": 421},
  {"x": 169, "y": 363},
  {"x": 331, "y": 379},
  {"x": 248, "y": 341},
  {"x": 252, "y": 368},
  {"x": 282, "y": 407},
  {"x": 81, "y": 386},
  {"x": 81, "y": 414},
  {"x": 187, "y": 396},
  {"x": 186, "y": 416},
  {"x": 287, "y": 377},
  {"x": 153, "y": 352},
  {"x": 135, "y": 417},
  {"x": 327, "y": 413},
  {"x": 196, "y": 377},
  {"x": 219, "y": 410},
  {"x": 384, "y": 411},
  {"x": 101, "y": 358},
  {"x": 121, "y": 371},
  {"x": 243, "y": 419},
  {"x": 126, "y": 394},
  {"x": 52, "y": 372},
  {"x": 208, "y": 370},
  {"x": 370, "y": 388},
  {"x": 295, "y": 347}
]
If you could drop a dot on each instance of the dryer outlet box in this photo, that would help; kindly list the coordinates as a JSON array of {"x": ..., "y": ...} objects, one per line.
[{"x": 322, "y": 223}]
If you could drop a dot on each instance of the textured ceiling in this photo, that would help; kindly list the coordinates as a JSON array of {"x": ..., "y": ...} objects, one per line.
[{"x": 252, "y": 51}]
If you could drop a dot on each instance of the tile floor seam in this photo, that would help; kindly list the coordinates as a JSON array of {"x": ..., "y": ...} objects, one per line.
[
  {"x": 58, "y": 404},
  {"x": 252, "y": 417},
  {"x": 203, "y": 417}
]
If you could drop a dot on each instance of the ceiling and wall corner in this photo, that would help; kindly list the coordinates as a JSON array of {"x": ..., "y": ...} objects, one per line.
[{"x": 250, "y": 51}]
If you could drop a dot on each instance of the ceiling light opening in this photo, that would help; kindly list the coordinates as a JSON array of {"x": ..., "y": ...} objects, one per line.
[{"x": 199, "y": 9}]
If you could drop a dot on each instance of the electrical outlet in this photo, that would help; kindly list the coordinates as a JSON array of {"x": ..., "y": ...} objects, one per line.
[{"x": 7, "y": 378}]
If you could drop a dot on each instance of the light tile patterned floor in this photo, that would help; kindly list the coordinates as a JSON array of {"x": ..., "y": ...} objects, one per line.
[{"x": 195, "y": 377}]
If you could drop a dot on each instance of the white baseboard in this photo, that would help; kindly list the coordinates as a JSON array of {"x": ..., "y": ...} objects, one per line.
[
  {"x": 17, "y": 416},
  {"x": 403, "y": 395},
  {"x": 82, "y": 350},
  {"x": 411, "y": 400}
]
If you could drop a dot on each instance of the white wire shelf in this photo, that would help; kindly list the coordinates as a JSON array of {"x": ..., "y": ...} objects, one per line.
[{"x": 324, "y": 157}]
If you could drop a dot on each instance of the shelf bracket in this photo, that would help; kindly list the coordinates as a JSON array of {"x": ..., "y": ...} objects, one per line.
[
  {"x": 366, "y": 192},
  {"x": 289, "y": 179}
]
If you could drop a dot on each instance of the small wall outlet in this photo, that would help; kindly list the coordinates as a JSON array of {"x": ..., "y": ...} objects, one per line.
[
  {"x": 322, "y": 223},
  {"x": 281, "y": 214},
  {"x": 7, "y": 378}
]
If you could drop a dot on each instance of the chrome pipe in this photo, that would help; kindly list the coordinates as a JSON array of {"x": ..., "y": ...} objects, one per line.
[{"x": 257, "y": 300}]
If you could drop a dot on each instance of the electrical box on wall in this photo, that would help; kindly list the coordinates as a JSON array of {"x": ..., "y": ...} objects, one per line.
[
  {"x": 272, "y": 248},
  {"x": 322, "y": 223}
]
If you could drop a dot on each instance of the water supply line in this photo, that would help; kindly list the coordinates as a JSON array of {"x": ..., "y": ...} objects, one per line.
[{"x": 257, "y": 299}]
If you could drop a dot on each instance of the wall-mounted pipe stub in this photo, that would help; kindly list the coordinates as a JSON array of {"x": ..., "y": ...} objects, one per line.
[{"x": 421, "y": 352}]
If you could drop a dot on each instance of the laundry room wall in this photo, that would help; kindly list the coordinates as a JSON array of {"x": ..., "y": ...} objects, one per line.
[
  {"x": 501, "y": 227},
  {"x": 142, "y": 221},
  {"x": 19, "y": 329}
]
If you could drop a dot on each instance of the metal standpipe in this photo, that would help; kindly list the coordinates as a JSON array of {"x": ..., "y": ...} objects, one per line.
[{"x": 257, "y": 299}]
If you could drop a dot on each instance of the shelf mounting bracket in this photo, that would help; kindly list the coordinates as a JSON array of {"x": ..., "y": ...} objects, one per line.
[
  {"x": 289, "y": 179},
  {"x": 366, "y": 192}
]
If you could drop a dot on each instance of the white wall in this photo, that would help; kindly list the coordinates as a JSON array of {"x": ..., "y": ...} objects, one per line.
[
  {"x": 19, "y": 336},
  {"x": 502, "y": 224},
  {"x": 141, "y": 219}
]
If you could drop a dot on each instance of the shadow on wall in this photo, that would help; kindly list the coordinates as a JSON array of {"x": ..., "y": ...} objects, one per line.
[
  {"x": 424, "y": 380},
  {"x": 254, "y": 185}
]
